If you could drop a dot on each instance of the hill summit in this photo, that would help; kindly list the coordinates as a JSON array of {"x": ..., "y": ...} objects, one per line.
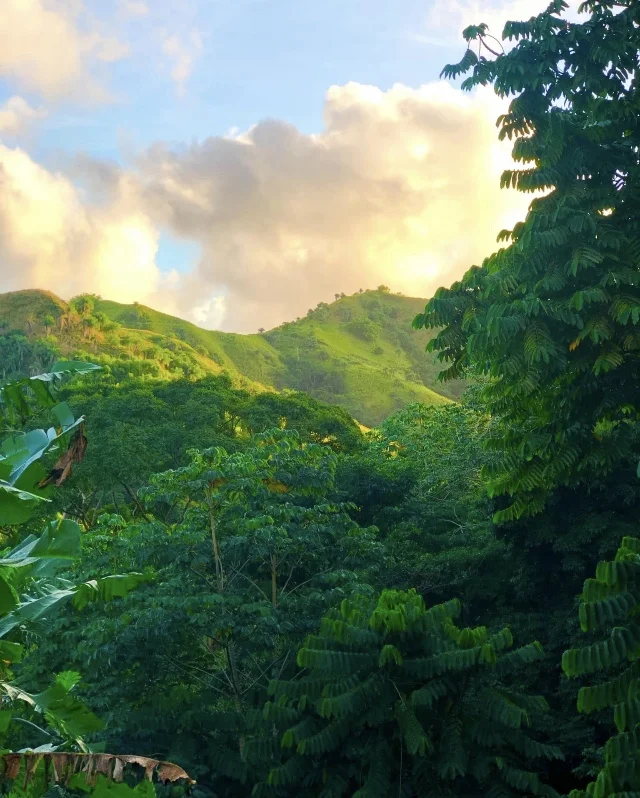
[{"x": 359, "y": 351}]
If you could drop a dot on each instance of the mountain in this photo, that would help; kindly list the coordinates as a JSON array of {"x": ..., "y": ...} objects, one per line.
[{"x": 359, "y": 352}]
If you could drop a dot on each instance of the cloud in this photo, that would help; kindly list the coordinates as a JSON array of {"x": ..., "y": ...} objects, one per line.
[
  {"x": 17, "y": 116},
  {"x": 400, "y": 187},
  {"x": 52, "y": 238},
  {"x": 182, "y": 50},
  {"x": 50, "y": 48}
]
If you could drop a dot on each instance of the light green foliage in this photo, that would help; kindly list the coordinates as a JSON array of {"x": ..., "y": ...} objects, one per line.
[
  {"x": 553, "y": 318},
  {"x": 395, "y": 696},
  {"x": 319, "y": 354}
]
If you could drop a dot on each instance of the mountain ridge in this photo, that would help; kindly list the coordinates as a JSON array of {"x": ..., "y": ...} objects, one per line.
[{"x": 359, "y": 351}]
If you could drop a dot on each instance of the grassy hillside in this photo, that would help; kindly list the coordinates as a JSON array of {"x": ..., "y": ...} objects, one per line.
[{"x": 359, "y": 351}]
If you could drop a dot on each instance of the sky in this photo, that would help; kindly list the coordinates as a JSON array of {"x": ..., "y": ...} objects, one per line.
[{"x": 235, "y": 162}]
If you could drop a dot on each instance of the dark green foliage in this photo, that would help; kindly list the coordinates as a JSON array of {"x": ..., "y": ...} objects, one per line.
[
  {"x": 610, "y": 605},
  {"x": 395, "y": 696},
  {"x": 31, "y": 589},
  {"x": 554, "y": 317},
  {"x": 21, "y": 356},
  {"x": 418, "y": 480},
  {"x": 269, "y": 518},
  {"x": 146, "y": 427},
  {"x": 249, "y": 550}
]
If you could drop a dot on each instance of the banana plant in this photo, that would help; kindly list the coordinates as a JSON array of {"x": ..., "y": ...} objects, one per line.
[
  {"x": 32, "y": 588},
  {"x": 24, "y": 482}
]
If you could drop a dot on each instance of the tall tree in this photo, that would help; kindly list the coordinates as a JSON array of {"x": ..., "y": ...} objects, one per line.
[
  {"x": 396, "y": 699},
  {"x": 553, "y": 318}
]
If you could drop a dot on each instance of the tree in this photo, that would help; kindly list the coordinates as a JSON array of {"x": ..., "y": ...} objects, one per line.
[
  {"x": 395, "y": 698},
  {"x": 249, "y": 550},
  {"x": 610, "y": 604},
  {"x": 31, "y": 589},
  {"x": 30, "y": 320},
  {"x": 101, "y": 320},
  {"x": 48, "y": 322},
  {"x": 553, "y": 318},
  {"x": 84, "y": 304},
  {"x": 364, "y": 328},
  {"x": 88, "y": 325}
]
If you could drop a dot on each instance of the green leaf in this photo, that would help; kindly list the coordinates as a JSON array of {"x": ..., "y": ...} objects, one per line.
[
  {"x": 10, "y": 652},
  {"x": 8, "y": 596},
  {"x": 107, "y": 588},
  {"x": 72, "y": 367},
  {"x": 63, "y": 413},
  {"x": 61, "y": 709},
  {"x": 16, "y": 506}
]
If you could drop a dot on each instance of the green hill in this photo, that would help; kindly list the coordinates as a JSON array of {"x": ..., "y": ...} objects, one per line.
[{"x": 359, "y": 352}]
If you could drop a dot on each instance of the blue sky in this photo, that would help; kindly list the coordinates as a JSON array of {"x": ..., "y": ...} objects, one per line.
[
  {"x": 328, "y": 94},
  {"x": 258, "y": 59}
]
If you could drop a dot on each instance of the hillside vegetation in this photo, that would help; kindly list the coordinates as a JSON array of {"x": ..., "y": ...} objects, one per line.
[
  {"x": 246, "y": 584},
  {"x": 359, "y": 351}
]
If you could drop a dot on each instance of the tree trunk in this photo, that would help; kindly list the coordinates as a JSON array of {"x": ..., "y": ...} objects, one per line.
[
  {"x": 274, "y": 581},
  {"x": 216, "y": 549}
]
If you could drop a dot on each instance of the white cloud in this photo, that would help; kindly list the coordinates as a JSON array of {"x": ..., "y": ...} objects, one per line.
[
  {"x": 17, "y": 116},
  {"x": 52, "y": 238},
  {"x": 183, "y": 51},
  {"x": 401, "y": 187},
  {"x": 47, "y": 47}
]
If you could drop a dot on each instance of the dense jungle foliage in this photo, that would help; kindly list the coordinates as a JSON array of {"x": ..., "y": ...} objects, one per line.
[{"x": 249, "y": 588}]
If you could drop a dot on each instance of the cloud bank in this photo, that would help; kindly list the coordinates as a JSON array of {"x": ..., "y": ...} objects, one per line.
[{"x": 401, "y": 188}]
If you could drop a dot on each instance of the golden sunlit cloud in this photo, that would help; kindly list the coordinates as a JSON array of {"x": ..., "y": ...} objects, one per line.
[
  {"x": 401, "y": 187},
  {"x": 50, "y": 238}
]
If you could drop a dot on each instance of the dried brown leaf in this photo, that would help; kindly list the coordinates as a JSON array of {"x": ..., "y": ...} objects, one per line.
[
  {"x": 60, "y": 767},
  {"x": 63, "y": 467}
]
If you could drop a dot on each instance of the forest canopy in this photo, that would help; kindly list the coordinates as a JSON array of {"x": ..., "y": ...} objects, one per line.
[{"x": 248, "y": 593}]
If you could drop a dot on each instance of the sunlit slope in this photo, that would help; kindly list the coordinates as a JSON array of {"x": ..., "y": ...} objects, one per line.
[{"x": 359, "y": 352}]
